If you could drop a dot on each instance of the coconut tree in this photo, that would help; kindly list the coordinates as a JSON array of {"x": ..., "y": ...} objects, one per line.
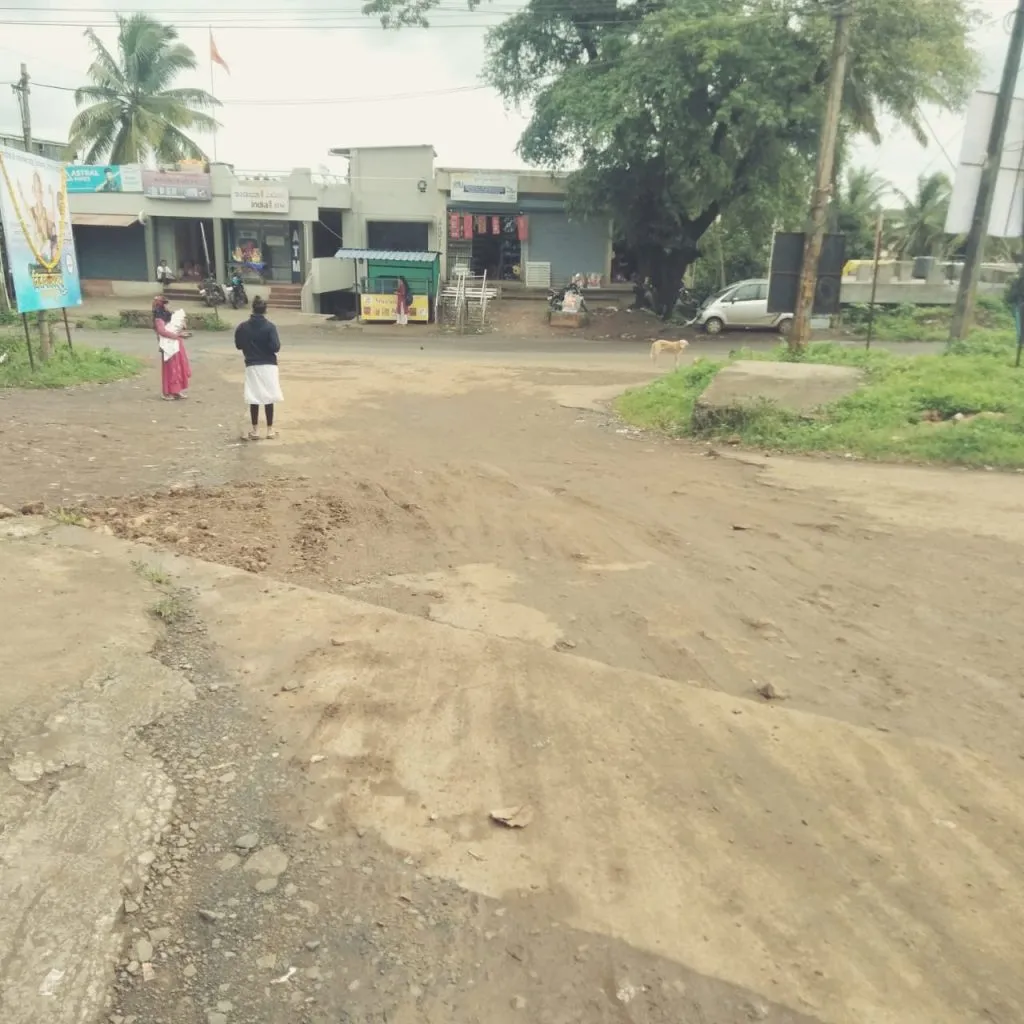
[
  {"x": 919, "y": 228},
  {"x": 855, "y": 210},
  {"x": 130, "y": 111}
]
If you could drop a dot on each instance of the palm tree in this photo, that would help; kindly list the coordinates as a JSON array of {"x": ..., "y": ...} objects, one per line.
[
  {"x": 855, "y": 210},
  {"x": 133, "y": 113},
  {"x": 919, "y": 229}
]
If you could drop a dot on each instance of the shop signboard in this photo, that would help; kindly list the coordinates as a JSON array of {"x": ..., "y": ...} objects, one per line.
[
  {"x": 385, "y": 308},
  {"x": 250, "y": 197},
  {"x": 188, "y": 185},
  {"x": 485, "y": 188},
  {"x": 37, "y": 230},
  {"x": 103, "y": 178}
]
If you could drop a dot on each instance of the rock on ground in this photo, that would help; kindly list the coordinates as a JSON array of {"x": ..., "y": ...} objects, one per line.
[{"x": 800, "y": 388}]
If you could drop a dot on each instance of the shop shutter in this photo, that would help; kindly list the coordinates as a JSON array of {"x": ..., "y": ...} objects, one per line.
[{"x": 571, "y": 247}]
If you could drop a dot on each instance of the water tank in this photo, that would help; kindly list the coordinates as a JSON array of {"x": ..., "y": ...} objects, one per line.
[{"x": 923, "y": 267}]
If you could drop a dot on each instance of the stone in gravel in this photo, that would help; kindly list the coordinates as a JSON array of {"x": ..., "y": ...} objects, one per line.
[
  {"x": 518, "y": 1003},
  {"x": 267, "y": 963},
  {"x": 313, "y": 945},
  {"x": 313, "y": 973},
  {"x": 228, "y": 861},
  {"x": 248, "y": 842},
  {"x": 266, "y": 885},
  {"x": 271, "y": 860},
  {"x": 158, "y": 935},
  {"x": 224, "y": 1006},
  {"x": 210, "y": 916},
  {"x": 353, "y": 985},
  {"x": 131, "y": 907},
  {"x": 7, "y": 513},
  {"x": 189, "y": 971},
  {"x": 213, "y": 1017},
  {"x": 144, "y": 950}
]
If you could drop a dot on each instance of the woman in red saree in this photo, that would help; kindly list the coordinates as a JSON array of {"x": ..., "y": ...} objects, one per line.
[
  {"x": 175, "y": 371},
  {"x": 402, "y": 298}
]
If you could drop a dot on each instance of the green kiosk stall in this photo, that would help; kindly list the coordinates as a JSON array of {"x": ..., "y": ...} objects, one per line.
[{"x": 377, "y": 274}]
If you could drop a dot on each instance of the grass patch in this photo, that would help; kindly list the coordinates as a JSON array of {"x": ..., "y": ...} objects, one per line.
[
  {"x": 65, "y": 368},
  {"x": 926, "y": 323},
  {"x": 170, "y": 609},
  {"x": 963, "y": 407},
  {"x": 67, "y": 516},
  {"x": 152, "y": 574}
]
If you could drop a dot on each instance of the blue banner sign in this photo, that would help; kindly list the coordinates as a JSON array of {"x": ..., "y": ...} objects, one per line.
[{"x": 102, "y": 178}]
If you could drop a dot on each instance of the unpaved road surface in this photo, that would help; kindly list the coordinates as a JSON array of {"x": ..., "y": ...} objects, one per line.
[{"x": 585, "y": 617}]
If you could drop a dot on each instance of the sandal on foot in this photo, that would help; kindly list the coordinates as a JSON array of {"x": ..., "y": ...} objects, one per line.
[
  {"x": 271, "y": 434},
  {"x": 253, "y": 435}
]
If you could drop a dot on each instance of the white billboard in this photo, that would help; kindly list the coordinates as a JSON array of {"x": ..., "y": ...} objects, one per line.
[{"x": 1007, "y": 220}]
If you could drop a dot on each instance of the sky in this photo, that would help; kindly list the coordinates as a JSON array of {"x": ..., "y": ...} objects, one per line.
[{"x": 315, "y": 74}]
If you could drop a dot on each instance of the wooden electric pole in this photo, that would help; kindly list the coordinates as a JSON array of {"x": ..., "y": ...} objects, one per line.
[
  {"x": 22, "y": 92},
  {"x": 964, "y": 309},
  {"x": 822, "y": 179}
]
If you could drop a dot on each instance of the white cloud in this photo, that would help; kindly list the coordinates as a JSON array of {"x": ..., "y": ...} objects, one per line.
[
  {"x": 275, "y": 57},
  {"x": 900, "y": 159},
  {"x": 347, "y": 57}
]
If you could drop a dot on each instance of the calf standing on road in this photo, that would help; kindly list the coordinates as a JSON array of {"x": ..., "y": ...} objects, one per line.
[{"x": 257, "y": 340}]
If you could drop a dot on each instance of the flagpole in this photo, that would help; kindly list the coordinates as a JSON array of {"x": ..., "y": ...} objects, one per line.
[{"x": 213, "y": 93}]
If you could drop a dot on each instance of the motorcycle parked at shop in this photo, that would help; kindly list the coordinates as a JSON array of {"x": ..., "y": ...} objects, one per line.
[
  {"x": 238, "y": 294},
  {"x": 211, "y": 291}
]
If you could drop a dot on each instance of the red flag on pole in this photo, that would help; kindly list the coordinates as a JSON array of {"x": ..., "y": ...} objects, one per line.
[{"x": 215, "y": 57}]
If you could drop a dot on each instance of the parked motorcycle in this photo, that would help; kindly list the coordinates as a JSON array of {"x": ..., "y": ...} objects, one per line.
[
  {"x": 238, "y": 295},
  {"x": 211, "y": 291},
  {"x": 556, "y": 297}
]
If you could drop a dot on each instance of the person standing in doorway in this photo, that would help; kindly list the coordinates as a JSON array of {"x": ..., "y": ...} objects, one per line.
[
  {"x": 257, "y": 340},
  {"x": 402, "y": 301}
]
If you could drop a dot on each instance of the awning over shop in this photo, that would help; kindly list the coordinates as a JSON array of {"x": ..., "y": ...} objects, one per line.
[
  {"x": 384, "y": 254},
  {"x": 103, "y": 220}
]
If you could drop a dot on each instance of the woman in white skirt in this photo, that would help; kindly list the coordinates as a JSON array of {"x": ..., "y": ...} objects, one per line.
[{"x": 257, "y": 340}]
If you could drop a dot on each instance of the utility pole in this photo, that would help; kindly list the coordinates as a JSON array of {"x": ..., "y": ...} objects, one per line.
[
  {"x": 964, "y": 309},
  {"x": 21, "y": 90},
  {"x": 800, "y": 332}
]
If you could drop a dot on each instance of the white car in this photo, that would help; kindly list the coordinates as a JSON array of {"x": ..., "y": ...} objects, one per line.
[{"x": 742, "y": 307}]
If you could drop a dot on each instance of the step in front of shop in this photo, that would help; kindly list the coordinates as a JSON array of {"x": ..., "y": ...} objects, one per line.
[{"x": 285, "y": 296}]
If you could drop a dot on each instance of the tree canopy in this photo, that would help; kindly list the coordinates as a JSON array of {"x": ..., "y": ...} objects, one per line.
[
  {"x": 132, "y": 111},
  {"x": 670, "y": 111}
]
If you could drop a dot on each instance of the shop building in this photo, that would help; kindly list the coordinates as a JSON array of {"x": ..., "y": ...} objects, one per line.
[
  {"x": 281, "y": 230},
  {"x": 515, "y": 226},
  {"x": 126, "y": 220}
]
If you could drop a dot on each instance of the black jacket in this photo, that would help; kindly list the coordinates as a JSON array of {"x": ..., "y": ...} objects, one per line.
[{"x": 256, "y": 338}]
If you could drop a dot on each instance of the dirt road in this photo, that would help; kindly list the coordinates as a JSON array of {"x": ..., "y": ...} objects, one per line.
[{"x": 829, "y": 854}]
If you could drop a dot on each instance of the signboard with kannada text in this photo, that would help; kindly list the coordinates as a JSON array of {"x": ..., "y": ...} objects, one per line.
[
  {"x": 101, "y": 178},
  {"x": 37, "y": 230},
  {"x": 384, "y": 308},
  {"x": 195, "y": 186},
  {"x": 485, "y": 188},
  {"x": 250, "y": 197}
]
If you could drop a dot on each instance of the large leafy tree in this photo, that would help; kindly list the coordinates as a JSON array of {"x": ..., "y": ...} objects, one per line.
[
  {"x": 671, "y": 111},
  {"x": 130, "y": 109}
]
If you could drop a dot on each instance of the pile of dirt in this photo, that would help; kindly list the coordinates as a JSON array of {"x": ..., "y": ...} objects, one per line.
[{"x": 289, "y": 529}]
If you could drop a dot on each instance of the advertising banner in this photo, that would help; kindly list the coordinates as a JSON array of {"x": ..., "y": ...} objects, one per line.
[
  {"x": 191, "y": 185},
  {"x": 100, "y": 178},
  {"x": 384, "y": 308},
  {"x": 249, "y": 197},
  {"x": 485, "y": 188},
  {"x": 37, "y": 229}
]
